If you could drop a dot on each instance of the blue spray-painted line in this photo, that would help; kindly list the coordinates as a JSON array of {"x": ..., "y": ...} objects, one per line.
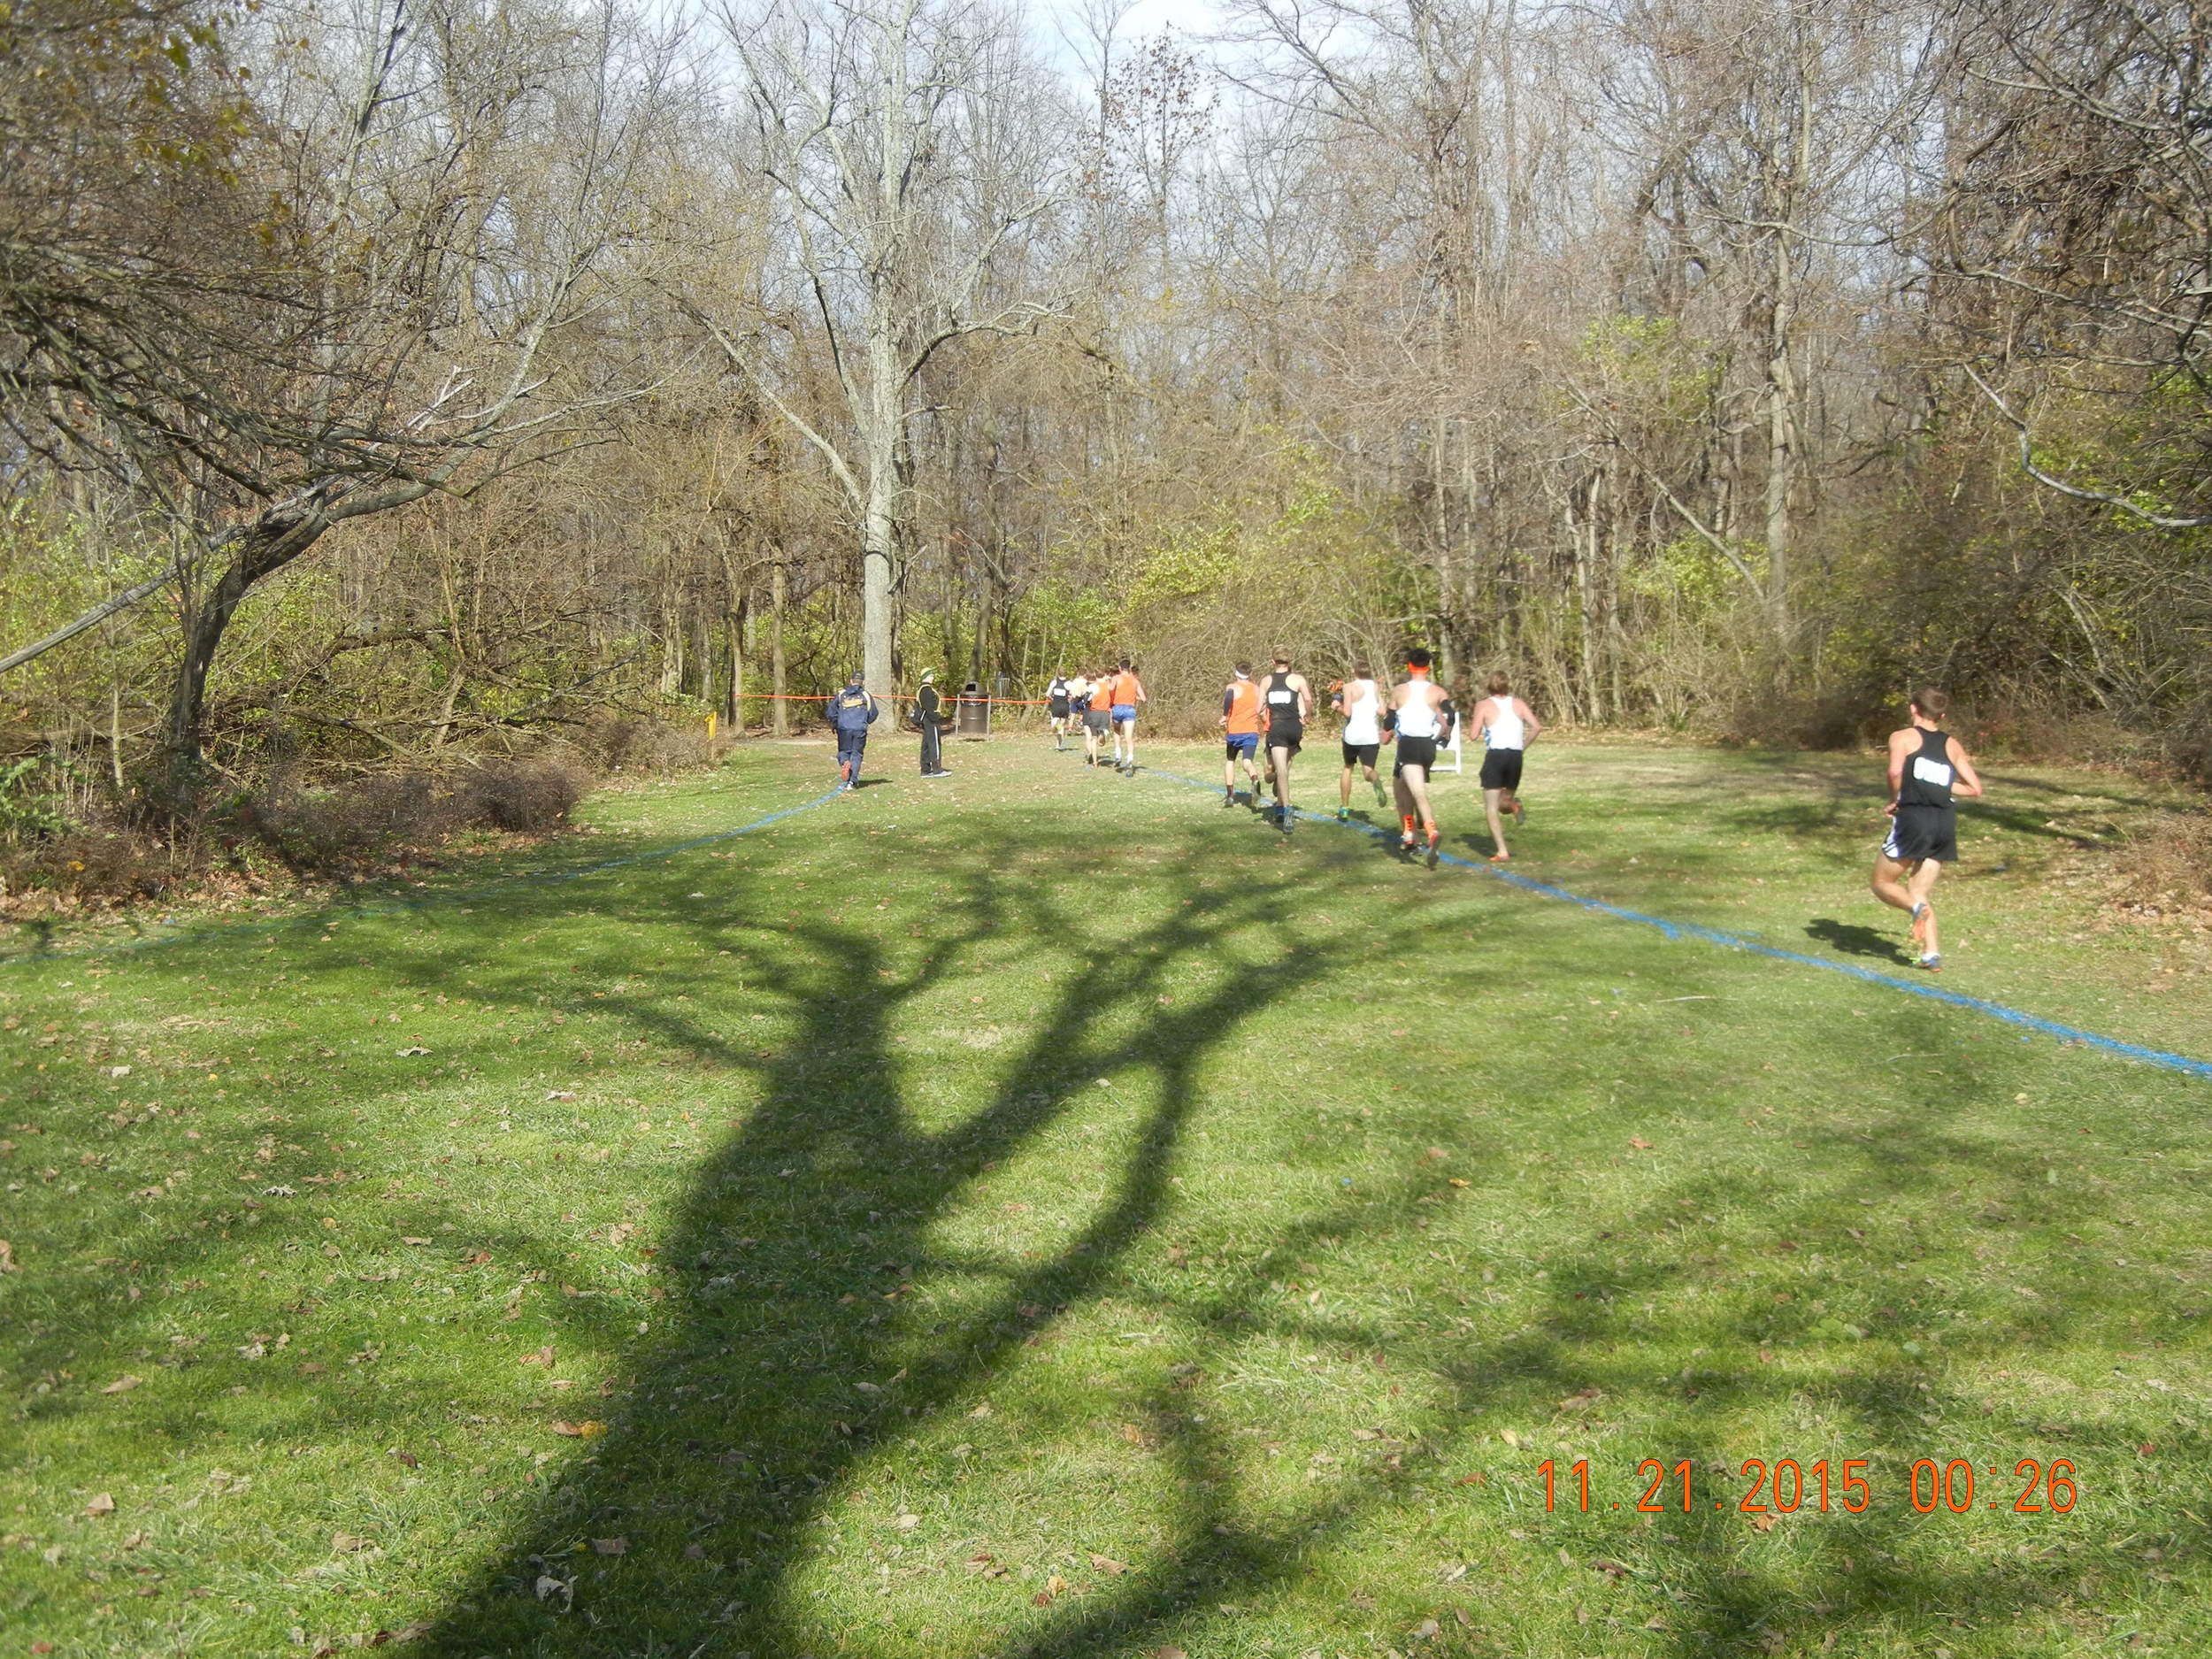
[
  {"x": 2159, "y": 1058},
  {"x": 317, "y": 918}
]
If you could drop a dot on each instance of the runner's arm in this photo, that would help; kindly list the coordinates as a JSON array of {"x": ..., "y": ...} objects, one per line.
[{"x": 1969, "y": 781}]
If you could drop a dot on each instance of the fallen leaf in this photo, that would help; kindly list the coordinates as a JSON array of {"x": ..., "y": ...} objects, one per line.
[
  {"x": 1762, "y": 1522},
  {"x": 1582, "y": 1401},
  {"x": 1456, "y": 1181},
  {"x": 1130, "y": 1432},
  {"x": 7, "y": 1257},
  {"x": 578, "y": 1431},
  {"x": 549, "y": 1585},
  {"x": 406, "y": 1053},
  {"x": 1043, "y": 1598},
  {"x": 544, "y": 1357},
  {"x": 1640, "y": 1143},
  {"x": 1654, "y": 1623},
  {"x": 101, "y": 1504},
  {"x": 1055, "y": 1585},
  {"x": 1438, "y": 1152},
  {"x": 1612, "y": 1569},
  {"x": 408, "y": 1458},
  {"x": 611, "y": 1545},
  {"x": 1171, "y": 1651},
  {"x": 1427, "y": 1630},
  {"x": 122, "y": 1384},
  {"x": 414, "y": 1240},
  {"x": 1107, "y": 1563},
  {"x": 908, "y": 1523},
  {"x": 1510, "y": 1438},
  {"x": 560, "y": 1093},
  {"x": 346, "y": 1543},
  {"x": 983, "y": 1410}
]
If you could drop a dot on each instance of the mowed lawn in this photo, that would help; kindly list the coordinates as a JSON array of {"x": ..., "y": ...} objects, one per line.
[{"x": 1045, "y": 1213}]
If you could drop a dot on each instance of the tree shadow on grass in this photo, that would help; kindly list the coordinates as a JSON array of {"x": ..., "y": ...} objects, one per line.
[{"x": 802, "y": 1338}]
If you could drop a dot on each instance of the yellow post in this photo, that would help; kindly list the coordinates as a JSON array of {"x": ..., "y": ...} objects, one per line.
[{"x": 711, "y": 719}]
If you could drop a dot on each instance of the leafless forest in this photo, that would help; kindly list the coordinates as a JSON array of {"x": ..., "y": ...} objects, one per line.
[{"x": 399, "y": 383}]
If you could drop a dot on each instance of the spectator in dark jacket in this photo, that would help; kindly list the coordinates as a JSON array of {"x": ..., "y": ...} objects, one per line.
[
  {"x": 929, "y": 715},
  {"x": 851, "y": 713}
]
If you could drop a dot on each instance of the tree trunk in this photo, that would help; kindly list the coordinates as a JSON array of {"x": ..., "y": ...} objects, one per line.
[
  {"x": 778, "y": 721},
  {"x": 262, "y": 550}
]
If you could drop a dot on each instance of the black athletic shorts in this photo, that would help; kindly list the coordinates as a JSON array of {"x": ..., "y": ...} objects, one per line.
[
  {"x": 1361, "y": 753},
  {"x": 1057, "y": 708},
  {"x": 1502, "y": 769},
  {"x": 1292, "y": 739},
  {"x": 1415, "y": 751},
  {"x": 1098, "y": 719},
  {"x": 1924, "y": 831}
]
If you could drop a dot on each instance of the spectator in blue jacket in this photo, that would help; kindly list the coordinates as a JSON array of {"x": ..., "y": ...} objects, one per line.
[{"x": 850, "y": 712}]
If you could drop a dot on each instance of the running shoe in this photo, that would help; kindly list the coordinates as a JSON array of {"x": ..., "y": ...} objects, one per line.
[
  {"x": 1344, "y": 815},
  {"x": 940, "y": 774},
  {"x": 1405, "y": 842},
  {"x": 1932, "y": 962},
  {"x": 1228, "y": 797},
  {"x": 1436, "y": 842},
  {"x": 1520, "y": 812}
]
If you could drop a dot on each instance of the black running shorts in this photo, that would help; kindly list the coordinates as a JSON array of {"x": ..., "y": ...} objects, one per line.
[
  {"x": 1502, "y": 769},
  {"x": 1361, "y": 753},
  {"x": 1415, "y": 751},
  {"x": 1924, "y": 831},
  {"x": 1293, "y": 739},
  {"x": 1057, "y": 708},
  {"x": 1098, "y": 720}
]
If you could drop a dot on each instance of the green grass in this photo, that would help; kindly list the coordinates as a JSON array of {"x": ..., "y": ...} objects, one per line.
[{"x": 1041, "y": 1213}]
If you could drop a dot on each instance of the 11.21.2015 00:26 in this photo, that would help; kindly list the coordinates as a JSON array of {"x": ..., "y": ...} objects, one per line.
[{"x": 1787, "y": 1486}]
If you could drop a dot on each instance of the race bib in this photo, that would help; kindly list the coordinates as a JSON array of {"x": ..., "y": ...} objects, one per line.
[{"x": 1933, "y": 771}]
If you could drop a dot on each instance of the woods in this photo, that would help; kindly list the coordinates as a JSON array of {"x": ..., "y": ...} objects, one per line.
[{"x": 404, "y": 383}]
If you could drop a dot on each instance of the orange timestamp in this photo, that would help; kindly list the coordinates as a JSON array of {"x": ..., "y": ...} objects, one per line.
[{"x": 1787, "y": 1484}]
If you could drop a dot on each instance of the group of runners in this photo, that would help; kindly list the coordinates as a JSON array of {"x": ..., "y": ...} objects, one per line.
[
  {"x": 1263, "y": 727},
  {"x": 1102, "y": 704}
]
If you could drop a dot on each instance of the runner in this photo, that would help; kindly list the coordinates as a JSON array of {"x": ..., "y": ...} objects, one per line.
[
  {"x": 1058, "y": 705},
  {"x": 1097, "y": 716},
  {"x": 1241, "y": 725},
  {"x": 1289, "y": 699},
  {"x": 1508, "y": 727},
  {"x": 1359, "y": 700},
  {"x": 1127, "y": 692},
  {"x": 1421, "y": 717},
  {"x": 851, "y": 712},
  {"x": 1927, "y": 767}
]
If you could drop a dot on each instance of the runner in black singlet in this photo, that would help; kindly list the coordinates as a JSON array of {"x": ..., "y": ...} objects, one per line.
[
  {"x": 1927, "y": 768},
  {"x": 1287, "y": 699}
]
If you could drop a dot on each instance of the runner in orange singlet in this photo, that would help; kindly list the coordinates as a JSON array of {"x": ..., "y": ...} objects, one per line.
[{"x": 1240, "y": 725}]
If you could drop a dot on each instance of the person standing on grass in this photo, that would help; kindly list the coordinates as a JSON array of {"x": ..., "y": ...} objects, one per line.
[
  {"x": 929, "y": 711},
  {"x": 1421, "y": 721},
  {"x": 1359, "y": 701},
  {"x": 1241, "y": 725},
  {"x": 1289, "y": 700},
  {"x": 851, "y": 713},
  {"x": 1508, "y": 727},
  {"x": 1098, "y": 716},
  {"x": 1057, "y": 704},
  {"x": 1927, "y": 768},
  {"x": 1127, "y": 692}
]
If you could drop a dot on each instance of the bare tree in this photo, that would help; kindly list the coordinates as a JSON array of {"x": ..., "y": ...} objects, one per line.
[{"x": 906, "y": 147}]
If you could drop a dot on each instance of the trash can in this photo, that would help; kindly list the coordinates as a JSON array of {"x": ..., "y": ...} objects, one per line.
[{"x": 972, "y": 716}]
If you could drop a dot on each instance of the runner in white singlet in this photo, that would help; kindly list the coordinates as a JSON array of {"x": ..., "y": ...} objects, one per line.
[
  {"x": 1508, "y": 726},
  {"x": 1359, "y": 701}
]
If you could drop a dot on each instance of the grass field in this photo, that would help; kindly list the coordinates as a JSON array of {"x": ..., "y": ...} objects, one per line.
[{"x": 1045, "y": 1213}]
